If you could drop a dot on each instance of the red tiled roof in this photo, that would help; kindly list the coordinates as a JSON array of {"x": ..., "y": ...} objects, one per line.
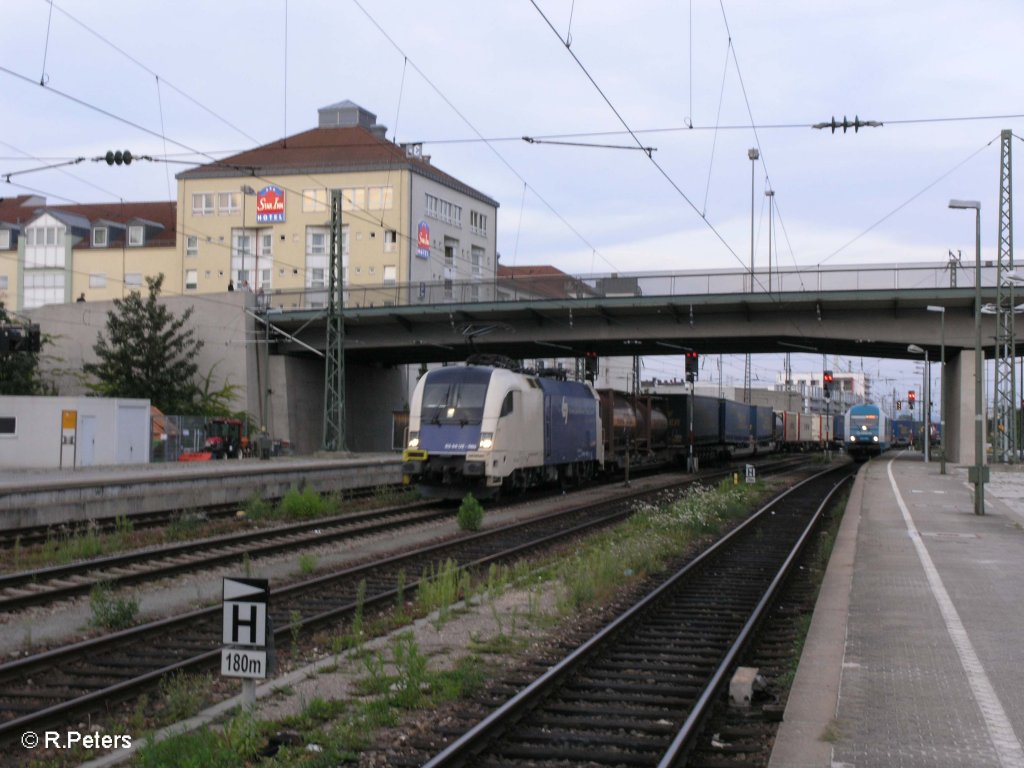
[
  {"x": 327, "y": 150},
  {"x": 24, "y": 208},
  {"x": 545, "y": 281}
]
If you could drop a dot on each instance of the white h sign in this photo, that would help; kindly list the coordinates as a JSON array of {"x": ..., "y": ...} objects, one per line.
[{"x": 245, "y": 628}]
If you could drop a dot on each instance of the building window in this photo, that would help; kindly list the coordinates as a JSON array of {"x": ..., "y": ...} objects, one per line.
[
  {"x": 5, "y": 239},
  {"x": 191, "y": 279},
  {"x": 229, "y": 202},
  {"x": 390, "y": 275},
  {"x": 98, "y": 280},
  {"x": 3, "y": 282},
  {"x": 132, "y": 280},
  {"x": 446, "y": 211},
  {"x": 381, "y": 198},
  {"x": 390, "y": 241},
  {"x": 267, "y": 244},
  {"x": 317, "y": 243},
  {"x": 43, "y": 287},
  {"x": 448, "y": 293},
  {"x": 317, "y": 239},
  {"x": 478, "y": 223},
  {"x": 314, "y": 200},
  {"x": 192, "y": 245},
  {"x": 8, "y": 425},
  {"x": 202, "y": 203},
  {"x": 476, "y": 260},
  {"x": 450, "y": 248},
  {"x": 136, "y": 235},
  {"x": 353, "y": 199},
  {"x": 99, "y": 237}
]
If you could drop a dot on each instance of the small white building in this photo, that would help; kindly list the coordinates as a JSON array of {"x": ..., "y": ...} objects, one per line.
[{"x": 68, "y": 432}]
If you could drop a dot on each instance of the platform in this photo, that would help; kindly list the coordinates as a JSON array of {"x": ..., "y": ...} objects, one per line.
[
  {"x": 913, "y": 655},
  {"x": 52, "y": 496}
]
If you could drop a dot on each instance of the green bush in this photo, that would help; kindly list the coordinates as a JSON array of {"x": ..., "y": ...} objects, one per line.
[
  {"x": 471, "y": 514},
  {"x": 303, "y": 505},
  {"x": 109, "y": 612}
]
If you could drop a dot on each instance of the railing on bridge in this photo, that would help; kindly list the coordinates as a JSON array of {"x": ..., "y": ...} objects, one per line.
[{"x": 561, "y": 286}]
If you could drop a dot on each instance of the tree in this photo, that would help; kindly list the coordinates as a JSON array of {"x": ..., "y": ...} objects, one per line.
[
  {"x": 147, "y": 353},
  {"x": 19, "y": 371}
]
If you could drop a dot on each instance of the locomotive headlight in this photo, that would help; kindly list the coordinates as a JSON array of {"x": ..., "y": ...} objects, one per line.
[
  {"x": 414, "y": 440},
  {"x": 853, "y": 438},
  {"x": 486, "y": 440},
  {"x": 875, "y": 438}
]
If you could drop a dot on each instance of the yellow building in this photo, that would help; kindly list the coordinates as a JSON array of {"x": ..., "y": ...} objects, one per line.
[
  {"x": 260, "y": 220},
  {"x": 63, "y": 253}
]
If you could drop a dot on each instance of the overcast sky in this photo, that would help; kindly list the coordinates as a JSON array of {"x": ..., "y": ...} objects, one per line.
[{"x": 698, "y": 82}]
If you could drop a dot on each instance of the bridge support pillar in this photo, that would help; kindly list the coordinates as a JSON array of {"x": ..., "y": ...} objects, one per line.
[{"x": 958, "y": 384}]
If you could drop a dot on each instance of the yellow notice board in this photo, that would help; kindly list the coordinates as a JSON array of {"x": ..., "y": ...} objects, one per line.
[{"x": 68, "y": 419}]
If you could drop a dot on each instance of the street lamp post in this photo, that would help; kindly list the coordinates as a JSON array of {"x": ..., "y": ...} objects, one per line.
[
  {"x": 942, "y": 379},
  {"x": 770, "y": 194},
  {"x": 926, "y": 394},
  {"x": 753, "y": 154},
  {"x": 243, "y": 237},
  {"x": 979, "y": 453}
]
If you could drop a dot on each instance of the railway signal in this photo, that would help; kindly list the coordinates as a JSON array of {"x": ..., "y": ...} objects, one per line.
[
  {"x": 911, "y": 397},
  {"x": 692, "y": 366},
  {"x": 827, "y": 384},
  {"x": 590, "y": 366}
]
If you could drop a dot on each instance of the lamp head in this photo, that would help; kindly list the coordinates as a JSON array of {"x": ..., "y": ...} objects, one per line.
[
  {"x": 933, "y": 308},
  {"x": 972, "y": 204},
  {"x": 753, "y": 153},
  {"x": 915, "y": 349}
]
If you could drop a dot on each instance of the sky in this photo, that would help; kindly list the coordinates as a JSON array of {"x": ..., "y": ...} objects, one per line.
[{"x": 643, "y": 114}]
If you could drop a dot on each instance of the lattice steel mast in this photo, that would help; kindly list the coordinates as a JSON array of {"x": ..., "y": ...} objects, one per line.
[
  {"x": 1005, "y": 437},
  {"x": 334, "y": 362}
]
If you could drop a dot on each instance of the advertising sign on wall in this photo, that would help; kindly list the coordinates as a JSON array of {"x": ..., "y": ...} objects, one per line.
[
  {"x": 270, "y": 204},
  {"x": 423, "y": 241}
]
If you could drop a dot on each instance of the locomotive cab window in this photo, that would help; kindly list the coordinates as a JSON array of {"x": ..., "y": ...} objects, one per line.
[
  {"x": 454, "y": 402},
  {"x": 507, "y": 405}
]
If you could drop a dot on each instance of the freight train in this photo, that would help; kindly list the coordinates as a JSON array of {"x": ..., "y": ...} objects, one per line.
[{"x": 486, "y": 429}]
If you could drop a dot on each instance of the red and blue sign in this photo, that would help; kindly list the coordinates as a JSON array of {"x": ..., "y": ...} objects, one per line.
[
  {"x": 270, "y": 204},
  {"x": 423, "y": 241}
]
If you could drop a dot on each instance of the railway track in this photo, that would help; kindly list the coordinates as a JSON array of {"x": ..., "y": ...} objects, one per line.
[
  {"x": 43, "y": 586},
  {"x": 637, "y": 692},
  {"x": 91, "y": 675},
  {"x": 47, "y": 585}
]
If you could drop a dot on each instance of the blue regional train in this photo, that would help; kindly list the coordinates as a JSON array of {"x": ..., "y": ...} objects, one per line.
[{"x": 868, "y": 431}]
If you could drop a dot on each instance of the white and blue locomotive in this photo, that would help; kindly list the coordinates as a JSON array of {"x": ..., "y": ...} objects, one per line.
[
  {"x": 481, "y": 429},
  {"x": 868, "y": 431}
]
